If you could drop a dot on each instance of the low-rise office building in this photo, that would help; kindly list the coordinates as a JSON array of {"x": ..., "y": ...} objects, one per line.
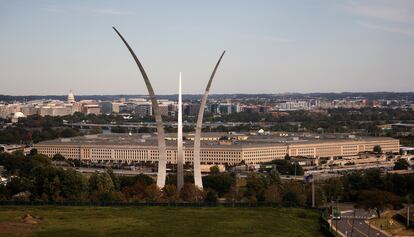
[{"x": 216, "y": 148}]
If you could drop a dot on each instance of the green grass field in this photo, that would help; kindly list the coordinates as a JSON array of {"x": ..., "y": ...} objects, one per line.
[{"x": 158, "y": 221}]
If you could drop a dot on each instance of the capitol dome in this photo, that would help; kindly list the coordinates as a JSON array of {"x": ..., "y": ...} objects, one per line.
[
  {"x": 71, "y": 97},
  {"x": 18, "y": 115}
]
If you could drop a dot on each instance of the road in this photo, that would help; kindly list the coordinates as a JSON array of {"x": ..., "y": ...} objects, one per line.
[
  {"x": 116, "y": 171},
  {"x": 355, "y": 226}
]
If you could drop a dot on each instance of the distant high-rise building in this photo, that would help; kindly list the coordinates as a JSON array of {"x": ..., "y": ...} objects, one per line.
[
  {"x": 214, "y": 108},
  {"x": 191, "y": 109},
  {"x": 91, "y": 109},
  {"x": 143, "y": 110},
  {"x": 106, "y": 107},
  {"x": 225, "y": 108},
  {"x": 163, "y": 109}
]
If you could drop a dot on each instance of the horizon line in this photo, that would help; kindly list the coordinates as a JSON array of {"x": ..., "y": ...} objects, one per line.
[{"x": 237, "y": 93}]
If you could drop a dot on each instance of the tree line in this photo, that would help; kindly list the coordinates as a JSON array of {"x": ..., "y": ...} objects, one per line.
[{"x": 33, "y": 177}]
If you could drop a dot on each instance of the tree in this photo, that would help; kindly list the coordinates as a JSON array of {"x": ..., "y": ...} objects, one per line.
[
  {"x": 55, "y": 189},
  {"x": 287, "y": 157},
  {"x": 33, "y": 152},
  {"x": 214, "y": 169},
  {"x": 377, "y": 200},
  {"x": 170, "y": 193},
  {"x": 288, "y": 167},
  {"x": 40, "y": 160},
  {"x": 295, "y": 169},
  {"x": 256, "y": 184},
  {"x": 58, "y": 157},
  {"x": 211, "y": 196},
  {"x": 19, "y": 184},
  {"x": 191, "y": 193},
  {"x": 294, "y": 194},
  {"x": 135, "y": 192},
  {"x": 127, "y": 181},
  {"x": 320, "y": 198},
  {"x": 100, "y": 186},
  {"x": 332, "y": 188},
  {"x": 401, "y": 164},
  {"x": 273, "y": 177},
  {"x": 221, "y": 183},
  {"x": 153, "y": 193},
  {"x": 234, "y": 193},
  {"x": 74, "y": 184},
  {"x": 114, "y": 178},
  {"x": 273, "y": 194},
  {"x": 69, "y": 132},
  {"x": 377, "y": 149}
]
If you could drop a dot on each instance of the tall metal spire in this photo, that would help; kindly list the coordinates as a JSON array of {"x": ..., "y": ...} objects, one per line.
[
  {"x": 197, "y": 170},
  {"x": 162, "y": 161},
  {"x": 180, "y": 153}
]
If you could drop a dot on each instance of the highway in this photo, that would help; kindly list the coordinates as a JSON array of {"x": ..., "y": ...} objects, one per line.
[
  {"x": 116, "y": 171},
  {"x": 384, "y": 165},
  {"x": 351, "y": 225}
]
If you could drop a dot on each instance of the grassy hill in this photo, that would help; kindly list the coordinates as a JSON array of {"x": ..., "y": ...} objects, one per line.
[{"x": 156, "y": 221}]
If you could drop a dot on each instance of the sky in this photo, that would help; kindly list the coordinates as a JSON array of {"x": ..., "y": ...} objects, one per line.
[{"x": 275, "y": 46}]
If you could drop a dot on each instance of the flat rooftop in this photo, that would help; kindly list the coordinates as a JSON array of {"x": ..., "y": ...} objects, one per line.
[{"x": 239, "y": 140}]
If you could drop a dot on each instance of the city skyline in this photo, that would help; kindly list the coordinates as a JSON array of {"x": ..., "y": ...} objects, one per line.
[{"x": 283, "y": 46}]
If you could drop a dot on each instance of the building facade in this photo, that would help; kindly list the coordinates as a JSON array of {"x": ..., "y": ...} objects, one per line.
[{"x": 124, "y": 148}]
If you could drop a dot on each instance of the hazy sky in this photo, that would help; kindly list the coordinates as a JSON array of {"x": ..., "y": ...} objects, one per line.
[{"x": 50, "y": 47}]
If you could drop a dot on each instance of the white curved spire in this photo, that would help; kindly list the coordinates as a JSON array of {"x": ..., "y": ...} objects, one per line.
[{"x": 180, "y": 153}]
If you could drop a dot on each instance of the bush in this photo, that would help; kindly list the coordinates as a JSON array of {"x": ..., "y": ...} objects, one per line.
[{"x": 211, "y": 196}]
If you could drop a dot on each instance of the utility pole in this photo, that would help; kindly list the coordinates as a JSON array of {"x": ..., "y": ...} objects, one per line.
[
  {"x": 353, "y": 221},
  {"x": 313, "y": 191},
  {"x": 369, "y": 228},
  {"x": 408, "y": 210}
]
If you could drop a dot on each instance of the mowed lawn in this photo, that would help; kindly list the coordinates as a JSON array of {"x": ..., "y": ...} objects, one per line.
[{"x": 158, "y": 221}]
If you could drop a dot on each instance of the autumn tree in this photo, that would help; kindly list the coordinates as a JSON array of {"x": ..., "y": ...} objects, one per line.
[
  {"x": 273, "y": 194},
  {"x": 377, "y": 200},
  {"x": 153, "y": 193},
  {"x": 170, "y": 193},
  {"x": 191, "y": 193}
]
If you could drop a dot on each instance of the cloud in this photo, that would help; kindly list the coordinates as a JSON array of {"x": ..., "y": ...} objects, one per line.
[
  {"x": 386, "y": 10},
  {"x": 87, "y": 10},
  {"x": 395, "y": 16},
  {"x": 393, "y": 29}
]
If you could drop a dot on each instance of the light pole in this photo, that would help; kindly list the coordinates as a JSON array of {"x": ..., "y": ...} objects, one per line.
[
  {"x": 369, "y": 226},
  {"x": 313, "y": 191},
  {"x": 408, "y": 210}
]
